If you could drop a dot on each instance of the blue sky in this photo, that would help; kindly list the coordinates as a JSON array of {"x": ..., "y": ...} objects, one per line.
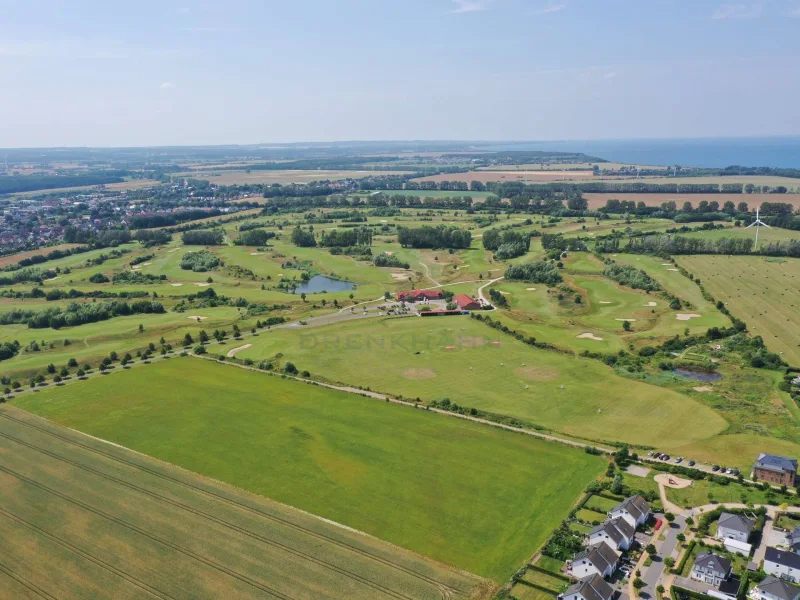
[{"x": 84, "y": 72}]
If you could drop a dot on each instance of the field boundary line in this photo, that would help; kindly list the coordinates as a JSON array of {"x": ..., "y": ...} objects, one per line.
[
  {"x": 25, "y": 583},
  {"x": 254, "y": 510},
  {"x": 217, "y": 520},
  {"x": 121, "y": 522},
  {"x": 86, "y": 555}
]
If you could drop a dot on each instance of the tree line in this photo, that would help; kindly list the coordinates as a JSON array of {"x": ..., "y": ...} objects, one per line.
[
  {"x": 75, "y": 314},
  {"x": 440, "y": 236}
]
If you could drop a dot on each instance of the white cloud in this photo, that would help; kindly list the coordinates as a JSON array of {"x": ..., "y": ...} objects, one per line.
[
  {"x": 739, "y": 11},
  {"x": 468, "y": 6},
  {"x": 550, "y": 9},
  {"x": 611, "y": 75},
  {"x": 167, "y": 85}
]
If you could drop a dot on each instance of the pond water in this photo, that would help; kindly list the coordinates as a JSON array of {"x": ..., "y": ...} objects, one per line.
[
  {"x": 321, "y": 283},
  {"x": 697, "y": 375}
]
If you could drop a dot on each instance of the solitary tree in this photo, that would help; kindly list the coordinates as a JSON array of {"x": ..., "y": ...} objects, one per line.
[{"x": 650, "y": 549}]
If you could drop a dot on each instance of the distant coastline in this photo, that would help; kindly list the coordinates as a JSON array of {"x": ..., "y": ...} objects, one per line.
[{"x": 699, "y": 152}]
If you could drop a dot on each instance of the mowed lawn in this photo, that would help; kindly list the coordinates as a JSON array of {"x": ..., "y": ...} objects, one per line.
[
  {"x": 479, "y": 367},
  {"x": 473, "y": 496},
  {"x": 764, "y": 293}
]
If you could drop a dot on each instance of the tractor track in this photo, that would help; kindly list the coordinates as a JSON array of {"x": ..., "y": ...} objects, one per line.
[
  {"x": 122, "y": 523},
  {"x": 265, "y": 540},
  {"x": 91, "y": 558},
  {"x": 25, "y": 583},
  {"x": 446, "y": 590}
]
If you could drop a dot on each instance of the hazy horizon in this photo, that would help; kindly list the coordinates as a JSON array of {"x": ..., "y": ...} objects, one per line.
[{"x": 92, "y": 74}]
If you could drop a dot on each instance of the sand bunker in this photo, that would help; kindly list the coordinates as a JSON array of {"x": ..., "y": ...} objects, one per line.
[
  {"x": 676, "y": 270},
  {"x": 54, "y": 278},
  {"x": 419, "y": 374},
  {"x": 605, "y": 302},
  {"x": 651, "y": 304},
  {"x": 197, "y": 318},
  {"x": 256, "y": 253},
  {"x": 449, "y": 347},
  {"x": 173, "y": 250},
  {"x": 176, "y": 284},
  {"x": 673, "y": 481},
  {"x": 506, "y": 293},
  {"x": 531, "y": 289},
  {"x": 703, "y": 388},
  {"x": 589, "y": 336},
  {"x": 232, "y": 353},
  {"x": 389, "y": 252},
  {"x": 666, "y": 264},
  {"x": 136, "y": 268},
  {"x": 146, "y": 264},
  {"x": 495, "y": 343},
  {"x": 534, "y": 373},
  {"x": 687, "y": 316},
  {"x": 202, "y": 284},
  {"x": 628, "y": 320}
]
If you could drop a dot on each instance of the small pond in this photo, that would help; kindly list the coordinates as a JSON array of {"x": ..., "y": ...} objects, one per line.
[
  {"x": 697, "y": 375},
  {"x": 321, "y": 283}
]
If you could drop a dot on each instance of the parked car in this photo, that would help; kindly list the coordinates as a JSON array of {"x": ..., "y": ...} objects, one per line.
[
  {"x": 665, "y": 457},
  {"x": 737, "y": 472},
  {"x": 715, "y": 468},
  {"x": 650, "y": 453},
  {"x": 729, "y": 471},
  {"x": 691, "y": 463},
  {"x": 679, "y": 460}
]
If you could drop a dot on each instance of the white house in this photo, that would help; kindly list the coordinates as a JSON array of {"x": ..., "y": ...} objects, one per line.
[
  {"x": 742, "y": 548},
  {"x": 793, "y": 539},
  {"x": 782, "y": 563},
  {"x": 735, "y": 527},
  {"x": 635, "y": 510},
  {"x": 711, "y": 569},
  {"x": 590, "y": 588},
  {"x": 617, "y": 533},
  {"x": 773, "y": 588},
  {"x": 595, "y": 560}
]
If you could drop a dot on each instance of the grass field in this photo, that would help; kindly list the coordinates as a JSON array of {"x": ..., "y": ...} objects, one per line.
[
  {"x": 410, "y": 356},
  {"x": 704, "y": 492},
  {"x": 532, "y": 176},
  {"x": 465, "y": 494},
  {"x": 763, "y": 292},
  {"x": 81, "y": 518}
]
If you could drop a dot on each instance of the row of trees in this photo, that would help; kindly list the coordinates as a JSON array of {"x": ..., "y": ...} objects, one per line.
[
  {"x": 542, "y": 271},
  {"x": 74, "y": 314},
  {"x": 344, "y": 238},
  {"x": 204, "y": 237},
  {"x": 440, "y": 236}
]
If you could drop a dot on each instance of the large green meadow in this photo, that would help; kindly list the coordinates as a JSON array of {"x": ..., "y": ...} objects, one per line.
[
  {"x": 476, "y": 497},
  {"x": 478, "y": 367}
]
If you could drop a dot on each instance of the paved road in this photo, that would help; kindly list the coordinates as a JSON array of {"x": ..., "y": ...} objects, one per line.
[
  {"x": 652, "y": 574},
  {"x": 480, "y": 289}
]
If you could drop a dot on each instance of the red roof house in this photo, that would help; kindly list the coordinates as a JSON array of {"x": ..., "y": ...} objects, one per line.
[
  {"x": 466, "y": 303},
  {"x": 417, "y": 295}
]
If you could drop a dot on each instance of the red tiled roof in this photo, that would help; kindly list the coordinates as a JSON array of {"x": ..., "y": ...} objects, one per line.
[{"x": 465, "y": 301}]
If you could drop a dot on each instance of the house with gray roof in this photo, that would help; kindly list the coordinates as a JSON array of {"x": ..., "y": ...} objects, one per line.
[
  {"x": 599, "y": 559},
  {"x": 590, "y": 588},
  {"x": 735, "y": 527},
  {"x": 793, "y": 539},
  {"x": 775, "y": 469},
  {"x": 773, "y": 588},
  {"x": 617, "y": 533},
  {"x": 711, "y": 568},
  {"x": 635, "y": 510},
  {"x": 782, "y": 563}
]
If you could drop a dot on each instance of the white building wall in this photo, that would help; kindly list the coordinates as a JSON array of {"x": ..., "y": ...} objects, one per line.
[{"x": 782, "y": 571}]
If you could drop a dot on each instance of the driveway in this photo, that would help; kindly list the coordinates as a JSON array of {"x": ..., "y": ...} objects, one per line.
[{"x": 652, "y": 574}]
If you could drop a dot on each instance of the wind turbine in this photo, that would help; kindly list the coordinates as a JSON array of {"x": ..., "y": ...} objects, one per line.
[{"x": 758, "y": 222}]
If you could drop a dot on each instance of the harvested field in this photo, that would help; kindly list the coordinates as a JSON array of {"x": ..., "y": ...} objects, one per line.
[
  {"x": 753, "y": 200},
  {"x": 423, "y": 481},
  {"x": 81, "y": 518},
  {"x": 526, "y": 176},
  {"x": 282, "y": 177}
]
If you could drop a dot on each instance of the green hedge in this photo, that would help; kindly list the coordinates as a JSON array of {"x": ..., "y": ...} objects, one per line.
[
  {"x": 679, "y": 567},
  {"x": 551, "y": 573}
]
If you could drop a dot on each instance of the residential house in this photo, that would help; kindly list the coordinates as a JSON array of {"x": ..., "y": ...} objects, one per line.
[
  {"x": 773, "y": 588},
  {"x": 735, "y": 527},
  {"x": 590, "y": 588},
  {"x": 635, "y": 510},
  {"x": 599, "y": 559},
  {"x": 775, "y": 469},
  {"x": 617, "y": 533},
  {"x": 793, "y": 539},
  {"x": 464, "y": 302},
  {"x": 782, "y": 563},
  {"x": 711, "y": 569}
]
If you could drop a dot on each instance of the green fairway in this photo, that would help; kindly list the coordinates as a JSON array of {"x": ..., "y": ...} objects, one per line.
[
  {"x": 763, "y": 292},
  {"x": 476, "y": 366},
  {"x": 473, "y": 496}
]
